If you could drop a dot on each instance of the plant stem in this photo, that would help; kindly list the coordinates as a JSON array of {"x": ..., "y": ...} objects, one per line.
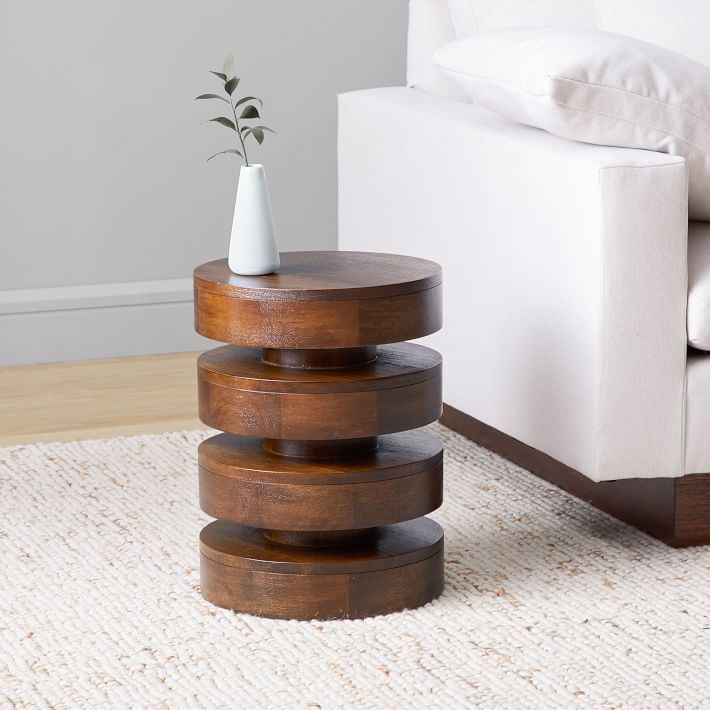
[{"x": 239, "y": 132}]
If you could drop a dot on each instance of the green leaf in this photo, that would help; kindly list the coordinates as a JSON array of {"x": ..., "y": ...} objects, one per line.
[
  {"x": 228, "y": 64},
  {"x": 231, "y": 85},
  {"x": 258, "y": 134},
  {"x": 223, "y": 77},
  {"x": 211, "y": 96},
  {"x": 224, "y": 122},
  {"x": 248, "y": 98},
  {"x": 246, "y": 132},
  {"x": 266, "y": 128},
  {"x": 244, "y": 129},
  {"x": 222, "y": 152},
  {"x": 250, "y": 112}
]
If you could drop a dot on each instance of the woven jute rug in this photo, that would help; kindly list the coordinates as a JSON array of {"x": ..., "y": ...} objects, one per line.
[{"x": 548, "y": 603}]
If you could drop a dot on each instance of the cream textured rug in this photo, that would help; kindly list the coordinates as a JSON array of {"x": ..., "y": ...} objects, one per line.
[{"x": 549, "y": 603}]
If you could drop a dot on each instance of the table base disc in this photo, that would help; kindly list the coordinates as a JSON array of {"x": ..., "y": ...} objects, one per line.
[{"x": 401, "y": 567}]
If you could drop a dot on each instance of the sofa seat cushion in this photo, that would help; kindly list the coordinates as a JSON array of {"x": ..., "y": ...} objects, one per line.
[{"x": 699, "y": 285}]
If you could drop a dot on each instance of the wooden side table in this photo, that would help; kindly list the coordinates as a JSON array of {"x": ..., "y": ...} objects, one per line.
[{"x": 318, "y": 499}]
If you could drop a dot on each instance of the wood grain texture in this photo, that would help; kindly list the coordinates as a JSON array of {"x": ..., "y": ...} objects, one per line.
[
  {"x": 240, "y": 394},
  {"x": 401, "y": 568},
  {"x": 98, "y": 399},
  {"x": 322, "y": 538},
  {"x": 691, "y": 525},
  {"x": 301, "y": 307},
  {"x": 320, "y": 449},
  {"x": 354, "y": 595},
  {"x": 324, "y": 275},
  {"x": 243, "y": 483},
  {"x": 396, "y": 455},
  {"x": 319, "y": 359},
  {"x": 319, "y": 501},
  {"x": 395, "y": 545},
  {"x": 674, "y": 510},
  {"x": 244, "y": 369}
]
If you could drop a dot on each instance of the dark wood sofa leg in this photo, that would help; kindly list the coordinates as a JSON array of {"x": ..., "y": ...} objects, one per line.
[{"x": 674, "y": 510}]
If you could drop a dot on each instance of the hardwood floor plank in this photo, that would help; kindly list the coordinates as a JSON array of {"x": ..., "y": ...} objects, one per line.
[{"x": 98, "y": 398}]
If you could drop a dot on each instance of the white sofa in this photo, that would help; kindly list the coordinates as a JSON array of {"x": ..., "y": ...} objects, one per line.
[{"x": 566, "y": 284}]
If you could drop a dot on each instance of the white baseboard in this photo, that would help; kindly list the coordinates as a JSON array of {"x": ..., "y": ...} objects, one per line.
[{"x": 97, "y": 321}]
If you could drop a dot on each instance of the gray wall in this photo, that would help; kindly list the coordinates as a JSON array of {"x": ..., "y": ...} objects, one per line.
[{"x": 103, "y": 176}]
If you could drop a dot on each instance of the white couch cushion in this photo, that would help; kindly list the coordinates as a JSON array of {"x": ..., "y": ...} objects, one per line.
[
  {"x": 595, "y": 87},
  {"x": 680, "y": 25},
  {"x": 699, "y": 285},
  {"x": 471, "y": 16}
]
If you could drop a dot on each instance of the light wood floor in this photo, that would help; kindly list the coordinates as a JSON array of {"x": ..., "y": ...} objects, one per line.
[{"x": 98, "y": 399}]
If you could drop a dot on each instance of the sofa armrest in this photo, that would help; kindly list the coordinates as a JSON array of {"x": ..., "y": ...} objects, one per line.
[{"x": 564, "y": 269}]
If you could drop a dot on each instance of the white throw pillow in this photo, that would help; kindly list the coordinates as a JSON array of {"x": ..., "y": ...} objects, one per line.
[
  {"x": 595, "y": 87},
  {"x": 680, "y": 25},
  {"x": 471, "y": 16}
]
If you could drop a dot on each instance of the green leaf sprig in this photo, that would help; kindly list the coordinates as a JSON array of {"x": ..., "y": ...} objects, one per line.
[{"x": 249, "y": 112}]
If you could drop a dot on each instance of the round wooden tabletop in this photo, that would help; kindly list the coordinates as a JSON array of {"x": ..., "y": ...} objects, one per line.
[
  {"x": 324, "y": 276},
  {"x": 324, "y": 299}
]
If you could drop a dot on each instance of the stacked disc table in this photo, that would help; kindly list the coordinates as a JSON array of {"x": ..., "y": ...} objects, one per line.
[{"x": 317, "y": 485}]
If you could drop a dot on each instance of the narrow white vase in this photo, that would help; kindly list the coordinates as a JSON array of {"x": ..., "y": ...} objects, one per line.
[{"x": 252, "y": 249}]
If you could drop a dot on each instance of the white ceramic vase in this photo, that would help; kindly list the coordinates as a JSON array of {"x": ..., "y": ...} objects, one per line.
[{"x": 252, "y": 249}]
